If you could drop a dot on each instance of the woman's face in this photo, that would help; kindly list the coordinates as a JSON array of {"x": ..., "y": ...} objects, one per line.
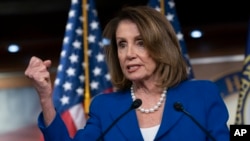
[{"x": 134, "y": 59}]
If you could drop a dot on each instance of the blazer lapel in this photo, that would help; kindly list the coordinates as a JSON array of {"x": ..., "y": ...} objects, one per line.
[
  {"x": 128, "y": 124},
  {"x": 170, "y": 115}
]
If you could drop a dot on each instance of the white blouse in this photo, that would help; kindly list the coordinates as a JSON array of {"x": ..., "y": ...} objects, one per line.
[{"x": 149, "y": 134}]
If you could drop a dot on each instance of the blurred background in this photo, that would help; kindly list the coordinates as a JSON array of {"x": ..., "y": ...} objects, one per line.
[{"x": 37, "y": 27}]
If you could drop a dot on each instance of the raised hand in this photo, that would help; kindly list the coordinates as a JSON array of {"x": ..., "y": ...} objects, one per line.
[{"x": 37, "y": 72}]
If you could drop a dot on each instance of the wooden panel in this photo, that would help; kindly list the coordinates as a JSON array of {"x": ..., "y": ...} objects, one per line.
[{"x": 16, "y": 80}]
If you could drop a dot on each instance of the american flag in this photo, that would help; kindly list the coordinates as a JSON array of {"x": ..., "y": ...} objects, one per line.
[
  {"x": 170, "y": 13},
  {"x": 69, "y": 84},
  {"x": 243, "y": 106}
]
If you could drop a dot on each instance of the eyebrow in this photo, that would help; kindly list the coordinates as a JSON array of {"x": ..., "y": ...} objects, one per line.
[{"x": 136, "y": 37}]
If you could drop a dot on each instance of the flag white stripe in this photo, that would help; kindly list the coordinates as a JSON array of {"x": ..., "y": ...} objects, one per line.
[{"x": 78, "y": 116}]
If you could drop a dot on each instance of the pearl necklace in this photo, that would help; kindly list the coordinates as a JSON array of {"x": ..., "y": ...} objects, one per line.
[{"x": 154, "y": 108}]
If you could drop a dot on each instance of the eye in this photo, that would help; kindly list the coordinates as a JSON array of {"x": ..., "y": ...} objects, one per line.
[
  {"x": 140, "y": 43},
  {"x": 121, "y": 44}
]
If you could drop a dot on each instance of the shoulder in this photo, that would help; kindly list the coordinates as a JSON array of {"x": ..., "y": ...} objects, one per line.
[
  {"x": 198, "y": 84},
  {"x": 197, "y": 93},
  {"x": 197, "y": 88},
  {"x": 109, "y": 99},
  {"x": 109, "y": 96},
  {"x": 110, "y": 103}
]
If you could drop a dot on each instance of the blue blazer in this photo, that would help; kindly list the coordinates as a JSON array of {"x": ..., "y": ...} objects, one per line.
[{"x": 201, "y": 98}]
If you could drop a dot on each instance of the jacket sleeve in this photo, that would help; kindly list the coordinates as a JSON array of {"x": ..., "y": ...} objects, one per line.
[
  {"x": 56, "y": 131},
  {"x": 217, "y": 114}
]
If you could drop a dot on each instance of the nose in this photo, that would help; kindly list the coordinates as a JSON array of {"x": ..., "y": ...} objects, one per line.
[{"x": 131, "y": 53}]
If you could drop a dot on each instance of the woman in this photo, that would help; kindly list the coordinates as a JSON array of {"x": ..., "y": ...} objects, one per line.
[{"x": 145, "y": 62}]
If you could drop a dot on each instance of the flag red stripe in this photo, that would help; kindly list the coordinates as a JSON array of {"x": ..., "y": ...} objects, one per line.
[{"x": 69, "y": 123}]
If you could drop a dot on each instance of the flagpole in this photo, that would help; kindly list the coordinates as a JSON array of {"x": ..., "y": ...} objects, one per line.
[
  {"x": 162, "y": 4},
  {"x": 86, "y": 101}
]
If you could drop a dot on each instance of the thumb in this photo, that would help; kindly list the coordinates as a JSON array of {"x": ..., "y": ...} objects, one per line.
[{"x": 47, "y": 63}]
